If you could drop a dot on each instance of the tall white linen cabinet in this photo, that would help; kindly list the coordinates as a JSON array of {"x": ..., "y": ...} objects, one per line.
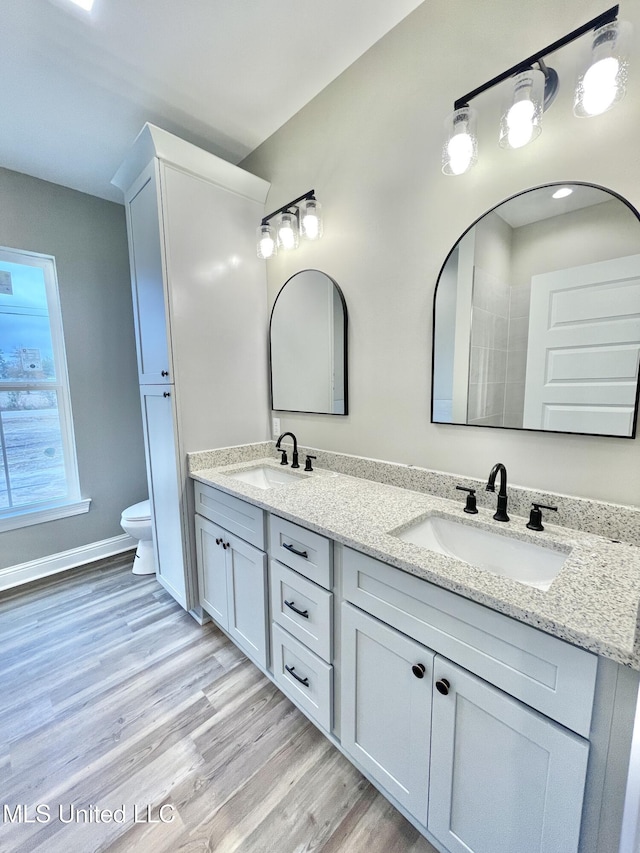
[{"x": 200, "y": 312}]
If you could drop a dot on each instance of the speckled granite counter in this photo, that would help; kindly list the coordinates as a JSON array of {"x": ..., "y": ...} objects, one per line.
[{"x": 592, "y": 603}]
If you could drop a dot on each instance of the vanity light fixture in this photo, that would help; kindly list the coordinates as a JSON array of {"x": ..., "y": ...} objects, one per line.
[
  {"x": 534, "y": 87},
  {"x": 302, "y": 216}
]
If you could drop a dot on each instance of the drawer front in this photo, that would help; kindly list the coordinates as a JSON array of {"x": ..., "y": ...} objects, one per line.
[
  {"x": 307, "y": 680},
  {"x": 302, "y": 550},
  {"x": 235, "y": 515},
  {"x": 542, "y": 671},
  {"x": 303, "y": 608}
]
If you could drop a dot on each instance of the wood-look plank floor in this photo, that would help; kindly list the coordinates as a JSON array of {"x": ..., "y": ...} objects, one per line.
[{"x": 112, "y": 697}]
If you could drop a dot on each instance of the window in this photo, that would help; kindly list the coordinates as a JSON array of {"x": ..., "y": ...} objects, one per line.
[{"x": 38, "y": 468}]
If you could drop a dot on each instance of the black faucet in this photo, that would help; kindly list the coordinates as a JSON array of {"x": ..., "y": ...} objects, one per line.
[
  {"x": 501, "y": 511},
  {"x": 294, "y": 463}
]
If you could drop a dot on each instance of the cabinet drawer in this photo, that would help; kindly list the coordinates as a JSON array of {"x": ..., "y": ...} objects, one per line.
[
  {"x": 303, "y": 608},
  {"x": 542, "y": 671},
  {"x": 235, "y": 515},
  {"x": 302, "y": 550},
  {"x": 306, "y": 679}
]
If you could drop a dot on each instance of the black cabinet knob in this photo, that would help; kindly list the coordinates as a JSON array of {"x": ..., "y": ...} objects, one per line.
[
  {"x": 164, "y": 373},
  {"x": 418, "y": 669},
  {"x": 218, "y": 541},
  {"x": 167, "y": 394},
  {"x": 442, "y": 686}
]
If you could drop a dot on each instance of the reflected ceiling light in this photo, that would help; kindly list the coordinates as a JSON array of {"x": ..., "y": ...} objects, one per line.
[
  {"x": 87, "y": 5},
  {"x": 563, "y": 192},
  {"x": 534, "y": 88},
  {"x": 292, "y": 220}
]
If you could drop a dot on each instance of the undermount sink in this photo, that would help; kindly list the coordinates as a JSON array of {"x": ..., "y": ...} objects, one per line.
[
  {"x": 265, "y": 476},
  {"x": 534, "y": 565}
]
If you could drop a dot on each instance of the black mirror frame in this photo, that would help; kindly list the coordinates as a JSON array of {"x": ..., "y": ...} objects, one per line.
[
  {"x": 345, "y": 349},
  {"x": 610, "y": 192}
]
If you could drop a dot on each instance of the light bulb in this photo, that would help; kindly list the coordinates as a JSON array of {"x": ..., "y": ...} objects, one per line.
[
  {"x": 603, "y": 82},
  {"x": 460, "y": 150},
  {"x": 267, "y": 247},
  {"x": 285, "y": 235},
  {"x": 520, "y": 123},
  {"x": 288, "y": 231},
  {"x": 311, "y": 222},
  {"x": 522, "y": 116},
  {"x": 599, "y": 85}
]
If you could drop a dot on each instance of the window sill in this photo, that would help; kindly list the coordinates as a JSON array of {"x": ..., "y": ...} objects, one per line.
[{"x": 39, "y": 516}]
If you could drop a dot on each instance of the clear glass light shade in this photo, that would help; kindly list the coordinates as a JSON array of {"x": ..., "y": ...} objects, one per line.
[
  {"x": 288, "y": 237},
  {"x": 604, "y": 79},
  {"x": 521, "y": 119},
  {"x": 311, "y": 219},
  {"x": 267, "y": 246},
  {"x": 460, "y": 149}
]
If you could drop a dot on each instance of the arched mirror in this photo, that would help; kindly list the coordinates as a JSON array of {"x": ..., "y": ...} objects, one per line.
[
  {"x": 537, "y": 316},
  {"x": 308, "y": 346}
]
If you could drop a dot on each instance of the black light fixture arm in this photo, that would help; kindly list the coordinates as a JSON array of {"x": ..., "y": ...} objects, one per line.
[
  {"x": 605, "y": 18},
  {"x": 310, "y": 195}
]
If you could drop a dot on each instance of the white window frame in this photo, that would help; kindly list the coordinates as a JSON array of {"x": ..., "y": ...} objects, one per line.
[{"x": 72, "y": 503}]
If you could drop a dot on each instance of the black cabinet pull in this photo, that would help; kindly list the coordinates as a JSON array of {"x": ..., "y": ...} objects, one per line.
[
  {"x": 291, "y": 605},
  {"x": 418, "y": 669},
  {"x": 442, "y": 686},
  {"x": 292, "y": 671},
  {"x": 164, "y": 373},
  {"x": 226, "y": 545},
  {"x": 218, "y": 541},
  {"x": 294, "y": 551},
  {"x": 167, "y": 394}
]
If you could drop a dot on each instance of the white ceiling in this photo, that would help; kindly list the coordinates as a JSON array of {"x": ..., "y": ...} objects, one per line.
[{"x": 223, "y": 74}]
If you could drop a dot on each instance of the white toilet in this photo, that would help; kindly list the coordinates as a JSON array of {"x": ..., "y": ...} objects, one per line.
[{"x": 136, "y": 521}]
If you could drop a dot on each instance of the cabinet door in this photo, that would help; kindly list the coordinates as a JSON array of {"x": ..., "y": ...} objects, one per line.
[
  {"x": 247, "y": 597},
  {"x": 165, "y": 490},
  {"x": 503, "y": 777},
  {"x": 386, "y": 708},
  {"x": 212, "y": 569},
  {"x": 150, "y": 304}
]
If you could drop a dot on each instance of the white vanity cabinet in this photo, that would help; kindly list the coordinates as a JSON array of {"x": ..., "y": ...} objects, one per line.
[
  {"x": 503, "y": 777},
  {"x": 489, "y": 735},
  {"x": 386, "y": 707},
  {"x": 200, "y": 312},
  {"x": 479, "y": 769},
  {"x": 232, "y": 573},
  {"x": 302, "y": 612}
]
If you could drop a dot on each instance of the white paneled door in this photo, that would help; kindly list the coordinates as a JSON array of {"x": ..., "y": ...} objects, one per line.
[{"x": 583, "y": 350}]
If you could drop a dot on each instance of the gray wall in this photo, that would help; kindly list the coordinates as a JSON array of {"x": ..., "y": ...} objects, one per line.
[
  {"x": 88, "y": 238},
  {"x": 370, "y": 146}
]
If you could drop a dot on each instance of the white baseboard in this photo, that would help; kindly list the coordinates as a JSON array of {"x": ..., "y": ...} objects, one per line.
[{"x": 45, "y": 566}]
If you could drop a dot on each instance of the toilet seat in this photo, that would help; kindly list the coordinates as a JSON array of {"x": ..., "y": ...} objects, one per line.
[{"x": 138, "y": 512}]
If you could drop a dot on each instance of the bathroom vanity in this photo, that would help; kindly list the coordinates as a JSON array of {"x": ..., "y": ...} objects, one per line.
[{"x": 434, "y": 678}]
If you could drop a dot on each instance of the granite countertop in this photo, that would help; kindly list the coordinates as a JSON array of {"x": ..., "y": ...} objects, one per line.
[{"x": 593, "y": 601}]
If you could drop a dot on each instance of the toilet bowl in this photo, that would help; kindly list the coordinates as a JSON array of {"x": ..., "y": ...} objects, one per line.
[{"x": 136, "y": 521}]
